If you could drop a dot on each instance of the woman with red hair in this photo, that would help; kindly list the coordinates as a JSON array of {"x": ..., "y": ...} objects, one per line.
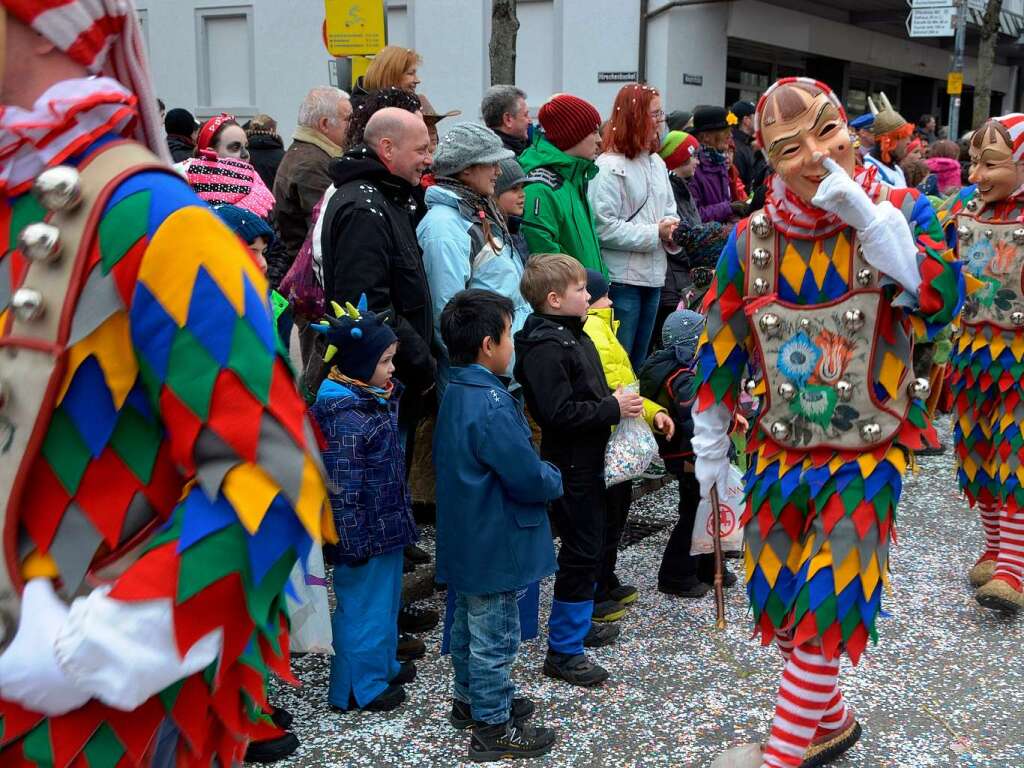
[{"x": 635, "y": 213}]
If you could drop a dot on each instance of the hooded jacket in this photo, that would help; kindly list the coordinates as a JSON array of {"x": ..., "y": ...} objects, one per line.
[
  {"x": 266, "y": 151},
  {"x": 369, "y": 247},
  {"x": 711, "y": 189},
  {"x": 667, "y": 378},
  {"x": 557, "y": 217}
]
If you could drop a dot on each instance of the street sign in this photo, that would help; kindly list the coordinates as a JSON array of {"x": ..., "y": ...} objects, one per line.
[
  {"x": 616, "y": 77},
  {"x": 955, "y": 83},
  {"x": 930, "y": 21},
  {"x": 354, "y": 27}
]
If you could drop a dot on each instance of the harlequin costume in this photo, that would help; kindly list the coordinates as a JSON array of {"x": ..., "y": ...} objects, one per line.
[
  {"x": 795, "y": 296},
  {"x": 160, "y": 477},
  {"x": 988, "y": 378}
]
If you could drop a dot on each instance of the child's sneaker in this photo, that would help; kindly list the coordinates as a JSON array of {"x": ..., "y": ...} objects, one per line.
[
  {"x": 608, "y": 610},
  {"x": 575, "y": 670},
  {"x": 461, "y": 717},
  {"x": 600, "y": 635},
  {"x": 624, "y": 594},
  {"x": 509, "y": 740}
]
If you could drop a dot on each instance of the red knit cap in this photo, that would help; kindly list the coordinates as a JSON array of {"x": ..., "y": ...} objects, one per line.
[{"x": 567, "y": 120}]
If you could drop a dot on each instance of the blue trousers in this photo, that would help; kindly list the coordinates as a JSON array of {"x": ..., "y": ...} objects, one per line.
[
  {"x": 485, "y": 638},
  {"x": 365, "y": 625},
  {"x": 636, "y": 309}
]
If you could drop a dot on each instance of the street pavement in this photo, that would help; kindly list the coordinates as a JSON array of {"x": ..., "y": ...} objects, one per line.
[{"x": 944, "y": 687}]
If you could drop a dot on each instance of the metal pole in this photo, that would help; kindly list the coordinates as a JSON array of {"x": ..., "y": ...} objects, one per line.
[{"x": 958, "y": 66}]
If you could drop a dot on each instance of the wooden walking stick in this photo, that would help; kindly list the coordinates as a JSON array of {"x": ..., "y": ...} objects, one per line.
[{"x": 716, "y": 528}]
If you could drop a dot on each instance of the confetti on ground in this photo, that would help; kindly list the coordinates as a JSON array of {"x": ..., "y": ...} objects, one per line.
[{"x": 945, "y": 686}]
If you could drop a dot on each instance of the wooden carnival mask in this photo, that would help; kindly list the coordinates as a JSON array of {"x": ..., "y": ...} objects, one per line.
[{"x": 993, "y": 168}]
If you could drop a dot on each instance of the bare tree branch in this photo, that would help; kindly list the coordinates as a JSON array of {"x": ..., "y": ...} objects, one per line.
[{"x": 504, "y": 26}]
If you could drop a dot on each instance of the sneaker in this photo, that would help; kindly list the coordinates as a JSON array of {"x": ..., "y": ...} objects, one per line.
[
  {"x": 410, "y": 647},
  {"x": 282, "y": 717},
  {"x": 826, "y": 746},
  {"x": 509, "y": 741},
  {"x": 271, "y": 750},
  {"x": 626, "y": 594},
  {"x": 388, "y": 699},
  {"x": 693, "y": 587},
  {"x": 608, "y": 610},
  {"x": 600, "y": 635},
  {"x": 461, "y": 718},
  {"x": 406, "y": 674},
  {"x": 414, "y": 619},
  {"x": 575, "y": 670},
  {"x": 416, "y": 555}
]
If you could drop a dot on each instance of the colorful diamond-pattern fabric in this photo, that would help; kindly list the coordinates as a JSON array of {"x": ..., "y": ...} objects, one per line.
[
  {"x": 818, "y": 522},
  {"x": 177, "y": 422},
  {"x": 988, "y": 393}
]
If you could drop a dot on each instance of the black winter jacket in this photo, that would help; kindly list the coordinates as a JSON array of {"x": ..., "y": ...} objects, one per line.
[
  {"x": 370, "y": 247},
  {"x": 566, "y": 391},
  {"x": 265, "y": 153},
  {"x": 181, "y": 147},
  {"x": 667, "y": 378}
]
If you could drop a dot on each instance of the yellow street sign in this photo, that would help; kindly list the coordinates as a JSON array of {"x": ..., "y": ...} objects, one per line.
[
  {"x": 955, "y": 83},
  {"x": 354, "y": 27}
]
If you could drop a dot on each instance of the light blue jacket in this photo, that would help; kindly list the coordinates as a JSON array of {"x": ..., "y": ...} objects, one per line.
[{"x": 457, "y": 256}]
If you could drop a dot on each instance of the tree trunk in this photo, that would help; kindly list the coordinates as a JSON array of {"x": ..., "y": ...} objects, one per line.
[
  {"x": 504, "y": 26},
  {"x": 986, "y": 58}
]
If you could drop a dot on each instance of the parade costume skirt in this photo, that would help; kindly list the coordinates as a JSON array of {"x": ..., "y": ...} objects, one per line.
[
  {"x": 988, "y": 394},
  {"x": 818, "y": 527}
]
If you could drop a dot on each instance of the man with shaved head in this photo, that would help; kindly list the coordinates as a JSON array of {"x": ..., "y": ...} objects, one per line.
[{"x": 369, "y": 243}]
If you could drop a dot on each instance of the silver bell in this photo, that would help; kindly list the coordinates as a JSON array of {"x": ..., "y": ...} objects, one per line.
[
  {"x": 787, "y": 392},
  {"x": 963, "y": 232},
  {"x": 770, "y": 323},
  {"x": 864, "y": 277},
  {"x": 780, "y": 430},
  {"x": 1018, "y": 236},
  {"x": 919, "y": 388},
  {"x": 760, "y": 225},
  {"x": 805, "y": 323},
  {"x": 760, "y": 257},
  {"x": 27, "y": 304},
  {"x": 973, "y": 205},
  {"x": 749, "y": 385},
  {"x": 845, "y": 390},
  {"x": 870, "y": 432},
  {"x": 1017, "y": 318},
  {"x": 988, "y": 234},
  {"x": 760, "y": 286},
  {"x": 853, "y": 319},
  {"x": 58, "y": 189},
  {"x": 40, "y": 242}
]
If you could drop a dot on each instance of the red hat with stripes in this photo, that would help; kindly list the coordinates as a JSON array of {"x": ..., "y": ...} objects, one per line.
[
  {"x": 104, "y": 37},
  {"x": 1014, "y": 125}
]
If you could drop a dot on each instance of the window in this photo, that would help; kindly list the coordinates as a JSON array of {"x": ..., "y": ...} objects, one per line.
[{"x": 226, "y": 60}]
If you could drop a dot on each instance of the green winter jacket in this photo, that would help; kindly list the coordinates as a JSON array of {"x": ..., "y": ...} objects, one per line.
[{"x": 557, "y": 217}]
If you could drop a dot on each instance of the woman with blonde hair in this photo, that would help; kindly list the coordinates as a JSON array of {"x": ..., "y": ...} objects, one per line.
[{"x": 393, "y": 67}]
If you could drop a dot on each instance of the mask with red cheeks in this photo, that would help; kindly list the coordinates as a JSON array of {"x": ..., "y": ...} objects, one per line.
[{"x": 799, "y": 126}]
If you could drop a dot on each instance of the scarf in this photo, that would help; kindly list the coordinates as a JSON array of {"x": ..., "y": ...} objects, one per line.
[
  {"x": 711, "y": 156},
  {"x": 799, "y": 219},
  {"x": 311, "y": 136},
  {"x": 65, "y": 120},
  {"x": 381, "y": 394},
  {"x": 483, "y": 208},
  {"x": 228, "y": 180}
]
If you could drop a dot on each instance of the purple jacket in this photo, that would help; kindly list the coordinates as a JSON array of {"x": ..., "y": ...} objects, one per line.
[{"x": 710, "y": 190}]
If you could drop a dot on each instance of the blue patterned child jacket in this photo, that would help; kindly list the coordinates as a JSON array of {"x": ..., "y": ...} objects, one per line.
[{"x": 365, "y": 466}]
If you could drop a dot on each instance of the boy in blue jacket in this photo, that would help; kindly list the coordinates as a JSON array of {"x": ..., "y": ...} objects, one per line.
[{"x": 493, "y": 535}]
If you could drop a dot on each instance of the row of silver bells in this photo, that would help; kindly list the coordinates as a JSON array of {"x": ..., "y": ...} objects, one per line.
[
  {"x": 966, "y": 233},
  {"x": 771, "y": 324}
]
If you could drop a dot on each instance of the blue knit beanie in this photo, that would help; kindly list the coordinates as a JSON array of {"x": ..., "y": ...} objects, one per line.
[
  {"x": 359, "y": 338},
  {"x": 246, "y": 224}
]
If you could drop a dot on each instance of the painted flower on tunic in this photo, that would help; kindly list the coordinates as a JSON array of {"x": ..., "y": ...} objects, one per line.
[
  {"x": 978, "y": 256},
  {"x": 836, "y": 353},
  {"x": 816, "y": 404},
  {"x": 798, "y": 358}
]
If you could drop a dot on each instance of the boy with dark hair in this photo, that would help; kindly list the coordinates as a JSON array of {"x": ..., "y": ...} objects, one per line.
[
  {"x": 566, "y": 392},
  {"x": 493, "y": 536}
]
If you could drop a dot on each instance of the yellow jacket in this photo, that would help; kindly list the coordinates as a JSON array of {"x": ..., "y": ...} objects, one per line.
[{"x": 600, "y": 327}]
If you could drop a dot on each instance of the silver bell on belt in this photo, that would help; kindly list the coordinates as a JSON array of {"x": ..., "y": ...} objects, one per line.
[
  {"x": 761, "y": 225},
  {"x": 870, "y": 432},
  {"x": 845, "y": 390},
  {"x": 787, "y": 391},
  {"x": 58, "y": 189},
  {"x": 40, "y": 242},
  {"x": 780, "y": 430},
  {"x": 760, "y": 286},
  {"x": 770, "y": 323},
  {"x": 963, "y": 232},
  {"x": 760, "y": 257},
  {"x": 853, "y": 319},
  {"x": 919, "y": 388},
  {"x": 1018, "y": 236},
  {"x": 864, "y": 277},
  {"x": 749, "y": 385},
  {"x": 27, "y": 304},
  {"x": 1017, "y": 318}
]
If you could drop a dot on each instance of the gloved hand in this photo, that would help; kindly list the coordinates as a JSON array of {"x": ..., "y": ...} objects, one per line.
[
  {"x": 711, "y": 445},
  {"x": 889, "y": 247},
  {"x": 712, "y": 473},
  {"x": 841, "y": 195},
  {"x": 29, "y": 672}
]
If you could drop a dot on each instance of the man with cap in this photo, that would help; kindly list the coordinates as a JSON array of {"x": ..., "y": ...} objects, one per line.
[
  {"x": 749, "y": 162},
  {"x": 892, "y": 135},
  {"x": 161, "y": 479},
  {"x": 861, "y": 128},
  {"x": 710, "y": 184},
  {"x": 559, "y": 165},
  {"x": 182, "y": 130},
  {"x": 464, "y": 237}
]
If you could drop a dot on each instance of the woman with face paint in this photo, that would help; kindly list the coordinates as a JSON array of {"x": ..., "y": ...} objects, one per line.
[
  {"x": 987, "y": 223},
  {"x": 821, "y": 291}
]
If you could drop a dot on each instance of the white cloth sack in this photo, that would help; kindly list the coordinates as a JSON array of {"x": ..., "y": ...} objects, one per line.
[
  {"x": 730, "y": 508},
  {"x": 310, "y": 615}
]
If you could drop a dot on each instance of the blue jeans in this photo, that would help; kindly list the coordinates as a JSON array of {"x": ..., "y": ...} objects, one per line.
[
  {"x": 636, "y": 309},
  {"x": 484, "y": 641}
]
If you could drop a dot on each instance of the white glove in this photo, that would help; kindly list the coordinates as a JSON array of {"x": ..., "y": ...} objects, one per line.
[
  {"x": 889, "y": 247},
  {"x": 711, "y": 447},
  {"x": 29, "y": 672},
  {"x": 841, "y": 195}
]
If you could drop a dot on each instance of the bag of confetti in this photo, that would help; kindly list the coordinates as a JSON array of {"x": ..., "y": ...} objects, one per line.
[
  {"x": 630, "y": 451},
  {"x": 730, "y": 508},
  {"x": 306, "y": 598}
]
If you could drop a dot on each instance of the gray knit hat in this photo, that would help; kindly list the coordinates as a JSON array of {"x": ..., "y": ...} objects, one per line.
[
  {"x": 468, "y": 144},
  {"x": 511, "y": 176},
  {"x": 683, "y": 326}
]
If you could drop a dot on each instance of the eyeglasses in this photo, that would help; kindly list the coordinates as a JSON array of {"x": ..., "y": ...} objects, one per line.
[{"x": 659, "y": 115}]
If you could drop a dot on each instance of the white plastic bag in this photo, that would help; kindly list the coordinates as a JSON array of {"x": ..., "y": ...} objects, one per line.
[
  {"x": 730, "y": 509},
  {"x": 310, "y": 614},
  {"x": 630, "y": 451}
]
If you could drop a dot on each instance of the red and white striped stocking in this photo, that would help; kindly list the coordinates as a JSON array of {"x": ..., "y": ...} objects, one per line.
[
  {"x": 835, "y": 712},
  {"x": 808, "y": 690},
  {"x": 1010, "y": 564},
  {"x": 990, "y": 523}
]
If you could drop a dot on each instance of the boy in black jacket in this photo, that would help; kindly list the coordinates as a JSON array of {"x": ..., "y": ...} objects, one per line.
[
  {"x": 667, "y": 378},
  {"x": 567, "y": 395}
]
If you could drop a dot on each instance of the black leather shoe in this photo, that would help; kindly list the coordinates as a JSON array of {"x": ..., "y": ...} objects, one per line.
[
  {"x": 410, "y": 648},
  {"x": 406, "y": 674},
  {"x": 387, "y": 700},
  {"x": 413, "y": 619},
  {"x": 282, "y": 717},
  {"x": 271, "y": 750}
]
